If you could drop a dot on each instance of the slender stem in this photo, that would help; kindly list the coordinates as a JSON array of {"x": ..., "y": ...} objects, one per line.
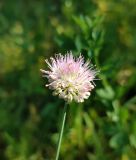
[{"x": 61, "y": 131}]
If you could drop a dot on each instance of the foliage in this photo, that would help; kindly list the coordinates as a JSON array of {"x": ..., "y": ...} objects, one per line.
[{"x": 104, "y": 127}]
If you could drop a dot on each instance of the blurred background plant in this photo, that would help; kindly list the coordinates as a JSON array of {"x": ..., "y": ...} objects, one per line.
[{"x": 104, "y": 127}]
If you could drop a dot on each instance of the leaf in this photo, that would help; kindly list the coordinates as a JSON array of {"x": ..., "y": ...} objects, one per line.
[
  {"x": 107, "y": 93},
  {"x": 118, "y": 141}
]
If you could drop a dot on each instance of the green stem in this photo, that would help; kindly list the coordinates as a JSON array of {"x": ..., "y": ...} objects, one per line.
[{"x": 61, "y": 131}]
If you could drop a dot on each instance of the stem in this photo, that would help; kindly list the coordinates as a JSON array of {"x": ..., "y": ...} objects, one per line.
[{"x": 61, "y": 131}]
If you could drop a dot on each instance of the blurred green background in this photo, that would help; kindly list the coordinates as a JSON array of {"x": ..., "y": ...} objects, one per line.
[{"x": 104, "y": 127}]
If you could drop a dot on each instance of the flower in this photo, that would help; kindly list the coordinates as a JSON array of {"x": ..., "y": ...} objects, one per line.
[{"x": 71, "y": 78}]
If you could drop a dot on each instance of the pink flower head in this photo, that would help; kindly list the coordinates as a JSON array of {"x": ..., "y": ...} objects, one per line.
[{"x": 71, "y": 78}]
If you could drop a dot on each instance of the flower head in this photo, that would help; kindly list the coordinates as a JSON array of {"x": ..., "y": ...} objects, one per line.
[{"x": 71, "y": 78}]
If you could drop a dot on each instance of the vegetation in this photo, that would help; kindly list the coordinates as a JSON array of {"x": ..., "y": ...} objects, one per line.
[{"x": 102, "y": 128}]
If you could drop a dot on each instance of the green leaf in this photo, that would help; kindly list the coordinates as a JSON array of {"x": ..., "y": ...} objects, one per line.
[
  {"x": 118, "y": 140},
  {"x": 107, "y": 93}
]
